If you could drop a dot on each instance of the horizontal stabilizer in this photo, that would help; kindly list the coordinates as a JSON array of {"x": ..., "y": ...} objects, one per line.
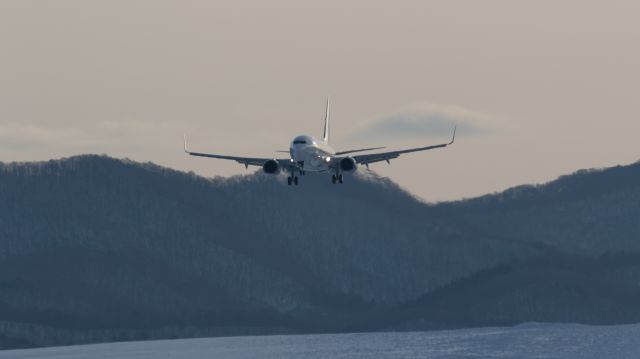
[{"x": 358, "y": 150}]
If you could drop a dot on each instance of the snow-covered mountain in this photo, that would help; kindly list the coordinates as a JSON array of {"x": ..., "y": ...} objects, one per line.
[{"x": 98, "y": 249}]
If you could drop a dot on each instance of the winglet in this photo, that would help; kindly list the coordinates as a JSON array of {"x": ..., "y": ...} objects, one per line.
[
  {"x": 325, "y": 137},
  {"x": 453, "y": 138},
  {"x": 184, "y": 135}
]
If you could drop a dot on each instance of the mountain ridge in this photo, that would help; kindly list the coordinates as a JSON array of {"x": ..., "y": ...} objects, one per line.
[{"x": 250, "y": 252}]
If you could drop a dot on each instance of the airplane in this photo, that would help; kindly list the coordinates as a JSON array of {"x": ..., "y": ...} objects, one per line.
[{"x": 308, "y": 154}]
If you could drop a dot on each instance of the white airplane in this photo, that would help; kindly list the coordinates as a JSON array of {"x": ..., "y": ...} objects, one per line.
[{"x": 308, "y": 154}]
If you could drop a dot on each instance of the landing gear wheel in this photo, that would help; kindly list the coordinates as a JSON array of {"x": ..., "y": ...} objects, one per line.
[
  {"x": 289, "y": 181},
  {"x": 295, "y": 180},
  {"x": 340, "y": 178},
  {"x": 333, "y": 179}
]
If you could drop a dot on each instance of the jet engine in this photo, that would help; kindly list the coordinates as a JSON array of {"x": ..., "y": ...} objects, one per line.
[
  {"x": 347, "y": 164},
  {"x": 271, "y": 167}
]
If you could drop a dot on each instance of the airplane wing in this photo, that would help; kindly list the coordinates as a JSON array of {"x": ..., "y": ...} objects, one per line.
[
  {"x": 246, "y": 161},
  {"x": 386, "y": 156}
]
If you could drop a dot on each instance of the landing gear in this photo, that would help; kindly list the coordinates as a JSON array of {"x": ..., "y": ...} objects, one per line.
[
  {"x": 336, "y": 178},
  {"x": 293, "y": 180}
]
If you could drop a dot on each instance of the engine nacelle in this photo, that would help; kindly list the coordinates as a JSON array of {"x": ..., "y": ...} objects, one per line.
[
  {"x": 347, "y": 164},
  {"x": 271, "y": 167}
]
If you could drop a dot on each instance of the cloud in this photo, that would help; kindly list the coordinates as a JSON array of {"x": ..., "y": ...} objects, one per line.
[
  {"x": 426, "y": 120},
  {"x": 86, "y": 137}
]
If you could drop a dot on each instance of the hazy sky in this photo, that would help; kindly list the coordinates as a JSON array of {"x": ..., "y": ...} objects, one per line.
[{"x": 538, "y": 88}]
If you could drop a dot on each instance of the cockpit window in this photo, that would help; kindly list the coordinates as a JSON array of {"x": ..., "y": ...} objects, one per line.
[{"x": 299, "y": 142}]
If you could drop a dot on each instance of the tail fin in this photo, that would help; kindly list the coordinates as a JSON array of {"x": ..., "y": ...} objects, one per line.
[{"x": 326, "y": 124}]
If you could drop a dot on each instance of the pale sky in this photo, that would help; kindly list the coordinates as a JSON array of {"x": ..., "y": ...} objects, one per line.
[{"x": 537, "y": 88}]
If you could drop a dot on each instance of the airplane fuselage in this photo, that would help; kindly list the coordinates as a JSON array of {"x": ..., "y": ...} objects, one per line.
[{"x": 311, "y": 155}]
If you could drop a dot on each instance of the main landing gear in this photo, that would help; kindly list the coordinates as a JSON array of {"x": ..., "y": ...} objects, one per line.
[
  {"x": 337, "y": 178},
  {"x": 292, "y": 179}
]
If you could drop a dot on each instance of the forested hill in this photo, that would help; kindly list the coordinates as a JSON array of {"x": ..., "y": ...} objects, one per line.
[{"x": 99, "y": 249}]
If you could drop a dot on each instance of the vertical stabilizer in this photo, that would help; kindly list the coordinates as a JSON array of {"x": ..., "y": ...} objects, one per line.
[{"x": 325, "y": 137}]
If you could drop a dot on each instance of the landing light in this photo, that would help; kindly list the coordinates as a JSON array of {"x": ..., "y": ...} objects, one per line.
[{"x": 327, "y": 159}]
